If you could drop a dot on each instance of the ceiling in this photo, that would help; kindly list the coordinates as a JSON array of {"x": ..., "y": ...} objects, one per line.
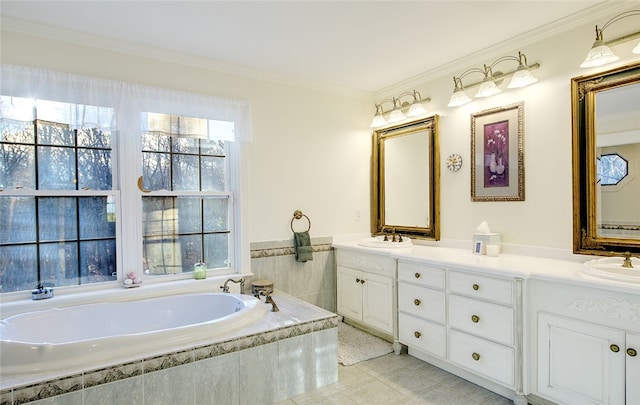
[{"x": 363, "y": 46}]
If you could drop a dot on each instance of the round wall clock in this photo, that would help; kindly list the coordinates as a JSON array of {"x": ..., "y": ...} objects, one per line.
[{"x": 454, "y": 162}]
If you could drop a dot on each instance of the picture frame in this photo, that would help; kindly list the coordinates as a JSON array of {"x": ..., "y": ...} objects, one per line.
[{"x": 497, "y": 154}]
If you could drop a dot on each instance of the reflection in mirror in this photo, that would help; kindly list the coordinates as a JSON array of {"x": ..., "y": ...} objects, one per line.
[
  {"x": 606, "y": 161},
  {"x": 405, "y": 179}
]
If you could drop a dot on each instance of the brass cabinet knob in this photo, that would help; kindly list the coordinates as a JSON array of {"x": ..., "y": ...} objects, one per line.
[
  {"x": 632, "y": 352},
  {"x": 362, "y": 281},
  {"x": 417, "y": 275},
  {"x": 476, "y": 287},
  {"x": 614, "y": 348},
  {"x": 417, "y": 335},
  {"x": 357, "y": 280},
  {"x": 417, "y": 301},
  {"x": 475, "y": 356},
  {"x": 475, "y": 318}
]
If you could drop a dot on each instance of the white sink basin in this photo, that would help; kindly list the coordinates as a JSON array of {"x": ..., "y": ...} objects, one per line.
[
  {"x": 611, "y": 268},
  {"x": 379, "y": 242}
]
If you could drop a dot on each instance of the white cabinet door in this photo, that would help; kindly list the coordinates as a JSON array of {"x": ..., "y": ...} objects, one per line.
[
  {"x": 377, "y": 302},
  {"x": 580, "y": 362},
  {"x": 349, "y": 293},
  {"x": 633, "y": 369}
]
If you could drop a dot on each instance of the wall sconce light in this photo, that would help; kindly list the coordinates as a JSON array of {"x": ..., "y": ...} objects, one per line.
[
  {"x": 400, "y": 110},
  {"x": 600, "y": 53},
  {"x": 488, "y": 87}
]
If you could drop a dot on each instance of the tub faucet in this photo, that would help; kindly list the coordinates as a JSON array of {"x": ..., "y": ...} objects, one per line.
[
  {"x": 225, "y": 287},
  {"x": 269, "y": 300}
]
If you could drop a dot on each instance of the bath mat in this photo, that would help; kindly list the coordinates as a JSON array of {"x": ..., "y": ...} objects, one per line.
[{"x": 355, "y": 345}]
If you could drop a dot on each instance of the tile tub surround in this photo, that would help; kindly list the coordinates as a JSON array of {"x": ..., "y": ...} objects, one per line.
[
  {"x": 312, "y": 281},
  {"x": 260, "y": 363}
]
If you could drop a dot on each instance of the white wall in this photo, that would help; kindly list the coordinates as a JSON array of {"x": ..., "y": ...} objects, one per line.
[{"x": 311, "y": 149}]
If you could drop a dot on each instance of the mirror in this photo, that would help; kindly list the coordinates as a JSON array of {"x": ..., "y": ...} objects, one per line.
[
  {"x": 606, "y": 161},
  {"x": 405, "y": 179}
]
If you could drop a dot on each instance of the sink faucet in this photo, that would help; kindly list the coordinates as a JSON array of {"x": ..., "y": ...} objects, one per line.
[
  {"x": 627, "y": 261},
  {"x": 269, "y": 300},
  {"x": 225, "y": 287}
]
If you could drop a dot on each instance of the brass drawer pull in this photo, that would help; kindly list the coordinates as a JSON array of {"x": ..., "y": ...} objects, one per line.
[
  {"x": 475, "y": 356},
  {"x": 417, "y": 275},
  {"x": 417, "y": 335},
  {"x": 632, "y": 352},
  {"x": 362, "y": 281},
  {"x": 357, "y": 280},
  {"x": 476, "y": 287},
  {"x": 475, "y": 318},
  {"x": 614, "y": 348},
  {"x": 417, "y": 302}
]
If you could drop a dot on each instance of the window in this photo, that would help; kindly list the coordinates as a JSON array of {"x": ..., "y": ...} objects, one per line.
[
  {"x": 72, "y": 151},
  {"x": 57, "y": 208},
  {"x": 611, "y": 169}
]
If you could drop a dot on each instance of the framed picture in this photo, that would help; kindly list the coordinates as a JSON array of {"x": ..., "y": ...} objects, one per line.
[
  {"x": 497, "y": 154},
  {"x": 477, "y": 247}
]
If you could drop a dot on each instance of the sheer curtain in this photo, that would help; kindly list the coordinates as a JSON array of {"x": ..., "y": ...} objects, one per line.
[{"x": 110, "y": 104}]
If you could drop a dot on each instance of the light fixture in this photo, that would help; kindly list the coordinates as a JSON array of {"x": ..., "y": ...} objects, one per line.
[
  {"x": 491, "y": 79},
  {"x": 400, "y": 110},
  {"x": 600, "y": 53}
]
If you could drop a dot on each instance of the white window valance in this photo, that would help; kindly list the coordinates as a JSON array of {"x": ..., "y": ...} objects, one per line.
[{"x": 111, "y": 104}]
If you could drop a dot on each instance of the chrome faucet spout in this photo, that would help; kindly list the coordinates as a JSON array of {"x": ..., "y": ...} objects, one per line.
[{"x": 225, "y": 287}]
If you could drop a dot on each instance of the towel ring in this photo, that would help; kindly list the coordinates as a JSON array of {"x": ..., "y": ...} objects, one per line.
[{"x": 297, "y": 214}]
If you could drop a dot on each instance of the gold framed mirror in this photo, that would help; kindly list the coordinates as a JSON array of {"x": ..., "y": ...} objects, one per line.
[
  {"x": 606, "y": 161},
  {"x": 406, "y": 180}
]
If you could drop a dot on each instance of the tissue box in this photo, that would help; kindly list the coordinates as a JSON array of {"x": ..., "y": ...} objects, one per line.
[{"x": 486, "y": 239}]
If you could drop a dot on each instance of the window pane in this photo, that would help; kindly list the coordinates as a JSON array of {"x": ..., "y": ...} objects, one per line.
[
  {"x": 208, "y": 147},
  {"x": 185, "y": 145},
  {"x": 185, "y": 173},
  {"x": 216, "y": 250},
  {"x": 18, "y": 268},
  {"x": 189, "y": 215},
  {"x": 16, "y": 166},
  {"x": 59, "y": 263},
  {"x": 156, "y": 171},
  {"x": 191, "y": 251},
  {"x": 17, "y": 131},
  {"x": 57, "y": 218},
  {"x": 94, "y": 138},
  {"x": 94, "y": 169},
  {"x": 17, "y": 219},
  {"x": 52, "y": 133},
  {"x": 94, "y": 221},
  {"x": 213, "y": 174},
  {"x": 159, "y": 216},
  {"x": 216, "y": 214},
  {"x": 98, "y": 261},
  {"x": 156, "y": 143},
  {"x": 56, "y": 168},
  {"x": 162, "y": 255}
]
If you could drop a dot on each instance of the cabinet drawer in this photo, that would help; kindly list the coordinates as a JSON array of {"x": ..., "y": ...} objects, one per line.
[
  {"x": 488, "y": 288},
  {"x": 378, "y": 264},
  {"x": 480, "y": 318},
  {"x": 490, "y": 359},
  {"x": 421, "y": 274},
  {"x": 422, "y": 335},
  {"x": 421, "y": 301}
]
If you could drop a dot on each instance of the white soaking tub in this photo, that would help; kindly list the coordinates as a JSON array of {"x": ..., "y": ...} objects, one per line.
[{"x": 86, "y": 335}]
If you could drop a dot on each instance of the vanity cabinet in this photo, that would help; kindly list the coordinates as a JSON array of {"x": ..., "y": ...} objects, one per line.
[
  {"x": 582, "y": 362},
  {"x": 366, "y": 290},
  {"x": 462, "y": 321}
]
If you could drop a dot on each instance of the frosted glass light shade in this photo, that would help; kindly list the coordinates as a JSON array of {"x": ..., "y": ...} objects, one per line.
[
  {"x": 600, "y": 54},
  {"x": 521, "y": 78},
  {"x": 458, "y": 98},
  {"x": 416, "y": 109},
  {"x": 396, "y": 115},
  {"x": 636, "y": 49},
  {"x": 487, "y": 89},
  {"x": 378, "y": 121}
]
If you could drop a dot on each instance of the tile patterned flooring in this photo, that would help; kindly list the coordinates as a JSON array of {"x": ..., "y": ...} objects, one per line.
[{"x": 401, "y": 380}]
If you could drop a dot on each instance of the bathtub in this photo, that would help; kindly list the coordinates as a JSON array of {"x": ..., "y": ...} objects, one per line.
[{"x": 109, "y": 333}]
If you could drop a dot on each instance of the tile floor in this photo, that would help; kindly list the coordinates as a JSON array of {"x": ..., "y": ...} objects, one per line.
[{"x": 402, "y": 380}]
